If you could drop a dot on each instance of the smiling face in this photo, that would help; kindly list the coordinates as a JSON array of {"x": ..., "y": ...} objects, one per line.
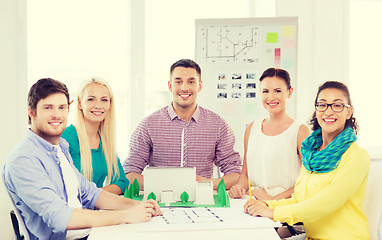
[
  {"x": 95, "y": 103},
  {"x": 275, "y": 93},
  {"x": 333, "y": 123},
  {"x": 50, "y": 117},
  {"x": 185, "y": 84}
]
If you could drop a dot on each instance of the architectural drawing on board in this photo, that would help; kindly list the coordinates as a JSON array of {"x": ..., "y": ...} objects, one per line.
[{"x": 230, "y": 44}]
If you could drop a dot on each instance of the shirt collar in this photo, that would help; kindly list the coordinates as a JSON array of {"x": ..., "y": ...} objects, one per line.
[
  {"x": 173, "y": 115},
  {"x": 47, "y": 145}
]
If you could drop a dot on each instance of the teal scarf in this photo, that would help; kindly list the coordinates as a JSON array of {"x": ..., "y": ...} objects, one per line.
[{"x": 327, "y": 159}]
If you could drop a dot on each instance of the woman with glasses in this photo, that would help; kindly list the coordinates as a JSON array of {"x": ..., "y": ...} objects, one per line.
[
  {"x": 330, "y": 189},
  {"x": 272, "y": 145},
  {"x": 92, "y": 139}
]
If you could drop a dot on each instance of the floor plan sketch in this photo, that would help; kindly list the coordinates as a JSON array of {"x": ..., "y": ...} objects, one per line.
[
  {"x": 181, "y": 219},
  {"x": 230, "y": 44},
  {"x": 189, "y": 215}
]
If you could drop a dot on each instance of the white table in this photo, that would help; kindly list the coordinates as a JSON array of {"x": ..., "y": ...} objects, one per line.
[{"x": 132, "y": 231}]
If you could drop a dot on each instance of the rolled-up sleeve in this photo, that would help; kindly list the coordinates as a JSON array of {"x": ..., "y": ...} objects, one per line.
[
  {"x": 32, "y": 185},
  {"x": 226, "y": 158},
  {"x": 140, "y": 148}
]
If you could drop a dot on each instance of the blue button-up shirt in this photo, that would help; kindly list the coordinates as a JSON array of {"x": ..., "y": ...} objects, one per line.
[{"x": 33, "y": 177}]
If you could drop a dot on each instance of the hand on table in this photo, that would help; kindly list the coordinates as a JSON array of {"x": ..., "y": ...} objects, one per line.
[
  {"x": 258, "y": 208},
  {"x": 155, "y": 206},
  {"x": 237, "y": 191},
  {"x": 141, "y": 212}
]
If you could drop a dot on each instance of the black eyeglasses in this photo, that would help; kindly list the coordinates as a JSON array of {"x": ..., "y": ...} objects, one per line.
[{"x": 336, "y": 107}]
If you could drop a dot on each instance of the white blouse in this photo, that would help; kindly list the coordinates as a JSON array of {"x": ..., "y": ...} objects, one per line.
[{"x": 272, "y": 161}]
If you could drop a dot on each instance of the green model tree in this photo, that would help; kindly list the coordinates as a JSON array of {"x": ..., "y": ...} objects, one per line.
[
  {"x": 128, "y": 192},
  {"x": 135, "y": 188},
  {"x": 152, "y": 196},
  {"x": 222, "y": 194},
  {"x": 184, "y": 196}
]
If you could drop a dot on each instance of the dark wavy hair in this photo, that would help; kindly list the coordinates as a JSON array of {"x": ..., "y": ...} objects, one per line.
[
  {"x": 352, "y": 122},
  {"x": 277, "y": 72}
]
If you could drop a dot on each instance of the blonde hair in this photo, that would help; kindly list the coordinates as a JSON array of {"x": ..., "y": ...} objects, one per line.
[{"x": 107, "y": 135}]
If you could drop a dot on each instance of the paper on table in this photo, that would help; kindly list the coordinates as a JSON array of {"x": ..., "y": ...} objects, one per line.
[{"x": 184, "y": 219}]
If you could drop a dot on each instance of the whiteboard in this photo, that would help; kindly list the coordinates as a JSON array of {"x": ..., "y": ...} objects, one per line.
[{"x": 233, "y": 53}]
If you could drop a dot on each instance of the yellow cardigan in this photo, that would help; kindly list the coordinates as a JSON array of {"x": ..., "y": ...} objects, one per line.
[{"x": 330, "y": 204}]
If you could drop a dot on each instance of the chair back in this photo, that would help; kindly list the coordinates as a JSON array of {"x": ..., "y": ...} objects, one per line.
[
  {"x": 372, "y": 204},
  {"x": 19, "y": 228}
]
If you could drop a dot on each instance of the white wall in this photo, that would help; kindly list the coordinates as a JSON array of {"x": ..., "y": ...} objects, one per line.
[
  {"x": 136, "y": 101},
  {"x": 14, "y": 90},
  {"x": 92, "y": 42},
  {"x": 322, "y": 46}
]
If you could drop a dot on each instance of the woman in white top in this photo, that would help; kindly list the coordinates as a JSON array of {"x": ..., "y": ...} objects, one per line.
[{"x": 272, "y": 157}]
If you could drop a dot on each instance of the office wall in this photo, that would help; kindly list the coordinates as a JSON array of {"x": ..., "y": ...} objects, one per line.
[
  {"x": 322, "y": 46},
  {"x": 14, "y": 87}
]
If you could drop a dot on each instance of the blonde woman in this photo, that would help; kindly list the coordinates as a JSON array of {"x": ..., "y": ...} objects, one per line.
[{"x": 92, "y": 139}]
